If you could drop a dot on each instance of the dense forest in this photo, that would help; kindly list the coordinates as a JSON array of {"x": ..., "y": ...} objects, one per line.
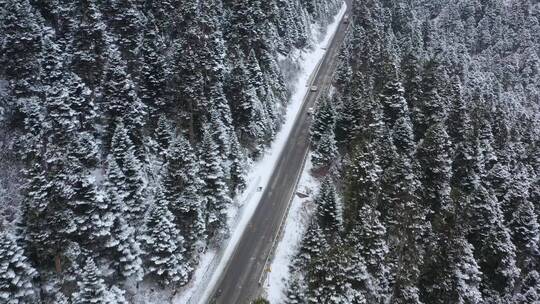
[
  {"x": 126, "y": 127},
  {"x": 431, "y": 141}
]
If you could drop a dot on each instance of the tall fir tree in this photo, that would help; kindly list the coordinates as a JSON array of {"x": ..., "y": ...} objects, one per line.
[
  {"x": 16, "y": 273},
  {"x": 153, "y": 76},
  {"x": 165, "y": 252},
  {"x": 121, "y": 100},
  {"x": 324, "y": 120},
  {"x": 214, "y": 191},
  {"x": 494, "y": 250},
  {"x": 325, "y": 152},
  {"x": 133, "y": 185},
  {"x": 182, "y": 188},
  {"x": 91, "y": 41},
  {"x": 91, "y": 286},
  {"x": 327, "y": 210}
]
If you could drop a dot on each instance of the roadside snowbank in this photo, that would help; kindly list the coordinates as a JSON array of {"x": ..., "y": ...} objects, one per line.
[
  {"x": 295, "y": 226},
  {"x": 213, "y": 262}
]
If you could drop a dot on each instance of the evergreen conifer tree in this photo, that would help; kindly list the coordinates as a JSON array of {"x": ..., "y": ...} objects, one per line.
[
  {"x": 90, "y": 44},
  {"x": 435, "y": 161},
  {"x": 182, "y": 187},
  {"x": 393, "y": 102},
  {"x": 16, "y": 273},
  {"x": 362, "y": 183},
  {"x": 21, "y": 44},
  {"x": 494, "y": 250},
  {"x": 133, "y": 186},
  {"x": 325, "y": 152},
  {"x": 214, "y": 191},
  {"x": 153, "y": 75},
  {"x": 121, "y": 100},
  {"x": 238, "y": 163},
  {"x": 165, "y": 246},
  {"x": 91, "y": 285},
  {"x": 324, "y": 120},
  {"x": 327, "y": 209}
]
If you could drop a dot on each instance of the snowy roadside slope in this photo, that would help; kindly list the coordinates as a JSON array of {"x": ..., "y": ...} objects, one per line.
[
  {"x": 213, "y": 262},
  {"x": 295, "y": 225}
]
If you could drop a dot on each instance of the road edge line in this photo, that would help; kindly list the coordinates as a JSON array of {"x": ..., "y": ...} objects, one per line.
[{"x": 262, "y": 277}]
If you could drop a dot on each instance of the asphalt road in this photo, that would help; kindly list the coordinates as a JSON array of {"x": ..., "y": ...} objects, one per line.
[{"x": 239, "y": 282}]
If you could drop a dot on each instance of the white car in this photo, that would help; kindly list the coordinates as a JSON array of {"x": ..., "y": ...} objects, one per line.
[
  {"x": 314, "y": 88},
  {"x": 310, "y": 111}
]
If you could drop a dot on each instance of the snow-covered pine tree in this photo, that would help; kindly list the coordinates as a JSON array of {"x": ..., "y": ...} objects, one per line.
[
  {"x": 90, "y": 44},
  {"x": 358, "y": 283},
  {"x": 494, "y": 250},
  {"x": 295, "y": 293},
  {"x": 122, "y": 241},
  {"x": 529, "y": 291},
  {"x": 238, "y": 166},
  {"x": 412, "y": 72},
  {"x": 465, "y": 165},
  {"x": 163, "y": 135},
  {"x": 115, "y": 295},
  {"x": 312, "y": 250},
  {"x": 257, "y": 81},
  {"x": 16, "y": 273},
  {"x": 40, "y": 229},
  {"x": 313, "y": 244},
  {"x": 244, "y": 31},
  {"x": 60, "y": 298},
  {"x": 182, "y": 186},
  {"x": 403, "y": 137},
  {"x": 120, "y": 99},
  {"x": 247, "y": 110},
  {"x": 221, "y": 133},
  {"x": 406, "y": 273},
  {"x": 484, "y": 139},
  {"x": 327, "y": 210},
  {"x": 327, "y": 278},
  {"x": 369, "y": 241},
  {"x": 324, "y": 120},
  {"x": 127, "y": 253},
  {"x": 404, "y": 216},
  {"x": 436, "y": 164},
  {"x": 22, "y": 30},
  {"x": 153, "y": 76},
  {"x": 450, "y": 272},
  {"x": 525, "y": 233},
  {"x": 133, "y": 185},
  {"x": 458, "y": 115},
  {"x": 325, "y": 152},
  {"x": 127, "y": 23},
  {"x": 393, "y": 102},
  {"x": 91, "y": 286},
  {"x": 165, "y": 252},
  {"x": 434, "y": 102},
  {"x": 255, "y": 75},
  {"x": 166, "y": 15},
  {"x": 466, "y": 274},
  {"x": 214, "y": 191}
]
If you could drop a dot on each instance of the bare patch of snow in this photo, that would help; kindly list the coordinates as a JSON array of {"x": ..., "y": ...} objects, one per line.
[{"x": 295, "y": 226}]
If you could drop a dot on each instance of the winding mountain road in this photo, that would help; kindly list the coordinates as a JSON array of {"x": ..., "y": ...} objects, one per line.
[{"x": 240, "y": 281}]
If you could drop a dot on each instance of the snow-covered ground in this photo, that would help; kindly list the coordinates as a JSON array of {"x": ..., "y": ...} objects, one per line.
[
  {"x": 295, "y": 226},
  {"x": 214, "y": 261}
]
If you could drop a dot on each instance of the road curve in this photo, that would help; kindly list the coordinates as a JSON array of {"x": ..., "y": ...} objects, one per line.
[{"x": 239, "y": 282}]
